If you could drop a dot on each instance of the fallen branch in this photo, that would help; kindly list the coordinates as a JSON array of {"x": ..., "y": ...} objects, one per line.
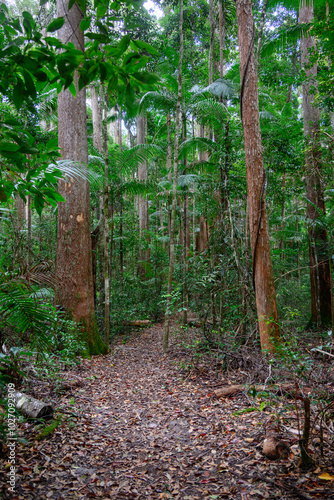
[
  {"x": 235, "y": 389},
  {"x": 139, "y": 322},
  {"x": 323, "y": 352}
]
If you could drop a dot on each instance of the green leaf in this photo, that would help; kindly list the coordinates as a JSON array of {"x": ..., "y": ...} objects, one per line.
[
  {"x": 56, "y": 24},
  {"x": 85, "y": 23},
  {"x": 101, "y": 10},
  {"x": 72, "y": 89},
  {"x": 143, "y": 45},
  {"x": 41, "y": 76},
  {"x": 136, "y": 64},
  {"x": 8, "y": 147},
  {"x": 145, "y": 77},
  {"x": 30, "y": 86},
  {"x": 50, "y": 178},
  {"x": 52, "y": 144},
  {"x": 123, "y": 44},
  {"x": 58, "y": 197},
  {"x": 28, "y": 151}
]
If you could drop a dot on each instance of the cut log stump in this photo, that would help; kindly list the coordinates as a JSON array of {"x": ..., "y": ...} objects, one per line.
[
  {"x": 273, "y": 446},
  {"x": 32, "y": 407}
]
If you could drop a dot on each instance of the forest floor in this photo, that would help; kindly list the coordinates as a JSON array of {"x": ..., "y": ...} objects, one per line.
[{"x": 140, "y": 424}]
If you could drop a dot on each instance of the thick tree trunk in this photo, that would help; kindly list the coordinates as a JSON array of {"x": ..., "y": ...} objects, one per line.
[
  {"x": 175, "y": 173},
  {"x": 74, "y": 251},
  {"x": 262, "y": 268},
  {"x": 321, "y": 310},
  {"x": 144, "y": 254}
]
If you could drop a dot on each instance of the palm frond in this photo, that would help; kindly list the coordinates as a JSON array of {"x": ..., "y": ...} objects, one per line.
[
  {"x": 165, "y": 101},
  {"x": 284, "y": 36},
  {"x": 210, "y": 108},
  {"x": 129, "y": 159},
  {"x": 188, "y": 179},
  {"x": 138, "y": 188},
  {"x": 221, "y": 88},
  {"x": 199, "y": 144},
  {"x": 74, "y": 170},
  {"x": 266, "y": 115}
]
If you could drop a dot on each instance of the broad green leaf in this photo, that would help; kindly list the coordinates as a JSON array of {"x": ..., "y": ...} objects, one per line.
[
  {"x": 52, "y": 144},
  {"x": 28, "y": 151},
  {"x": 85, "y": 23},
  {"x": 56, "y": 24},
  {"x": 124, "y": 44},
  {"x": 72, "y": 89},
  {"x": 58, "y": 197},
  {"x": 50, "y": 177},
  {"x": 30, "y": 86},
  {"x": 101, "y": 10},
  {"x": 146, "y": 46},
  {"x": 9, "y": 147}
]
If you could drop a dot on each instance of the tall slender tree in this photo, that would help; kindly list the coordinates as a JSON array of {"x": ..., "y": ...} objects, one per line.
[
  {"x": 175, "y": 174},
  {"x": 74, "y": 254},
  {"x": 321, "y": 307}
]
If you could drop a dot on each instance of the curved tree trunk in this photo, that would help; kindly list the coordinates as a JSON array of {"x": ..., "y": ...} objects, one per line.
[
  {"x": 262, "y": 268},
  {"x": 74, "y": 252}
]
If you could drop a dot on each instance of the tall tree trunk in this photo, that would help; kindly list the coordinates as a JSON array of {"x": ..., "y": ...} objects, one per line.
[
  {"x": 144, "y": 254},
  {"x": 74, "y": 251},
  {"x": 260, "y": 34},
  {"x": 212, "y": 39},
  {"x": 321, "y": 310},
  {"x": 106, "y": 225},
  {"x": 175, "y": 172},
  {"x": 96, "y": 118},
  {"x": 29, "y": 234},
  {"x": 97, "y": 246},
  {"x": 221, "y": 36},
  {"x": 262, "y": 269}
]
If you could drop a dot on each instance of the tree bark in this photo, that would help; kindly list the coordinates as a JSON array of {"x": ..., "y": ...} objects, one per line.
[
  {"x": 321, "y": 310},
  {"x": 74, "y": 251},
  {"x": 144, "y": 254},
  {"x": 260, "y": 35},
  {"x": 221, "y": 37},
  {"x": 97, "y": 119},
  {"x": 106, "y": 224},
  {"x": 262, "y": 268},
  {"x": 175, "y": 173},
  {"x": 212, "y": 39}
]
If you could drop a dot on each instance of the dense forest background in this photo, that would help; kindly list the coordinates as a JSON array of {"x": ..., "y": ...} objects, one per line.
[
  {"x": 170, "y": 169},
  {"x": 136, "y": 122}
]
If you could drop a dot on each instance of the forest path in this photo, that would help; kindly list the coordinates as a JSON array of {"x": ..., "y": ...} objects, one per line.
[{"x": 144, "y": 431}]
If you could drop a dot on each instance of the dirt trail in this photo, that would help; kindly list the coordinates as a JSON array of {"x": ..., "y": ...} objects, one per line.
[{"x": 142, "y": 432}]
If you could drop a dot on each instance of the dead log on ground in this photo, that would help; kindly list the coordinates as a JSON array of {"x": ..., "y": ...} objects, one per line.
[
  {"x": 31, "y": 407},
  {"x": 230, "y": 390},
  {"x": 139, "y": 322}
]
